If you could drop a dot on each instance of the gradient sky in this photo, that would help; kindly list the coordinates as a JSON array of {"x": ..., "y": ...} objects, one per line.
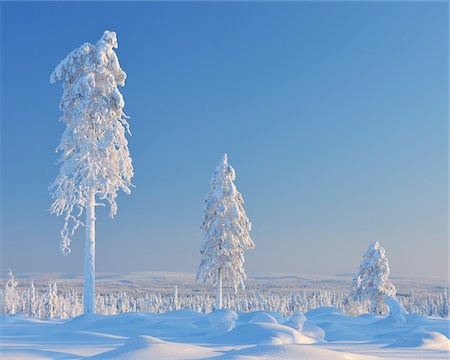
[{"x": 334, "y": 116}]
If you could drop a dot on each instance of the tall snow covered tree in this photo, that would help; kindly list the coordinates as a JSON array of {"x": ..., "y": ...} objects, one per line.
[
  {"x": 372, "y": 282},
  {"x": 226, "y": 232},
  {"x": 95, "y": 160}
]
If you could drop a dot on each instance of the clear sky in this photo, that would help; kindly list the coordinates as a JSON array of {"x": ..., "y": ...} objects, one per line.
[{"x": 334, "y": 116}]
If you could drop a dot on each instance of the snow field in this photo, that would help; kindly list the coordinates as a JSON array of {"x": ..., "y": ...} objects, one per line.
[{"x": 185, "y": 334}]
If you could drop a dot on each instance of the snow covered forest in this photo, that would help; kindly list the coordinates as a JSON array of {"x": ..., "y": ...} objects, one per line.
[{"x": 58, "y": 299}]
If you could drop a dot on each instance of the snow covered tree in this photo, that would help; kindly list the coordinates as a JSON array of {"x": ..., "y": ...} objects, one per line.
[
  {"x": 372, "y": 282},
  {"x": 31, "y": 301},
  {"x": 51, "y": 301},
  {"x": 95, "y": 160},
  {"x": 176, "y": 304},
  {"x": 3, "y": 309},
  {"x": 11, "y": 295},
  {"x": 226, "y": 232},
  {"x": 443, "y": 304},
  {"x": 123, "y": 303}
]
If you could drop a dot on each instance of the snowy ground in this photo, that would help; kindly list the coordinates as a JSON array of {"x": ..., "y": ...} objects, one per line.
[{"x": 184, "y": 334}]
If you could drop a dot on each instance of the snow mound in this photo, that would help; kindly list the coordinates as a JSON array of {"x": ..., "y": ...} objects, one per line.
[
  {"x": 397, "y": 311},
  {"x": 222, "y": 321},
  {"x": 143, "y": 340},
  {"x": 245, "y": 317},
  {"x": 264, "y": 333},
  {"x": 292, "y": 351},
  {"x": 313, "y": 331},
  {"x": 296, "y": 321},
  {"x": 422, "y": 339},
  {"x": 151, "y": 348},
  {"x": 323, "y": 311},
  {"x": 335, "y": 331},
  {"x": 263, "y": 317}
]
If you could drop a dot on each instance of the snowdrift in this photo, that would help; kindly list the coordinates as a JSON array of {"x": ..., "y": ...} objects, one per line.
[
  {"x": 422, "y": 339},
  {"x": 263, "y": 333},
  {"x": 149, "y": 348},
  {"x": 323, "y": 333}
]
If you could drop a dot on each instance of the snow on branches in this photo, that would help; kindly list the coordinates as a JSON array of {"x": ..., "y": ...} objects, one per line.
[
  {"x": 226, "y": 230},
  {"x": 95, "y": 157},
  {"x": 372, "y": 281}
]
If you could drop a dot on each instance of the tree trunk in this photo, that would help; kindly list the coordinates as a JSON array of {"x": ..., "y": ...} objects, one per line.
[
  {"x": 89, "y": 257},
  {"x": 219, "y": 289},
  {"x": 377, "y": 305}
]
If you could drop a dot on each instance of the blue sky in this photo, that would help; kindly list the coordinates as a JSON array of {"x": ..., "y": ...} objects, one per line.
[{"x": 334, "y": 116}]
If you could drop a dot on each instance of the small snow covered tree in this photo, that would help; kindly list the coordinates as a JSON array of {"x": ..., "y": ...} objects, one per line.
[
  {"x": 51, "y": 301},
  {"x": 11, "y": 295},
  {"x": 176, "y": 303},
  {"x": 226, "y": 232},
  {"x": 443, "y": 304},
  {"x": 372, "y": 281},
  {"x": 31, "y": 301},
  {"x": 3, "y": 309},
  {"x": 95, "y": 161}
]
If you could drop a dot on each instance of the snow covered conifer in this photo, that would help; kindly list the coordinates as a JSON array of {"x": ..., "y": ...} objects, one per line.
[
  {"x": 11, "y": 295},
  {"x": 95, "y": 160},
  {"x": 372, "y": 281},
  {"x": 31, "y": 299},
  {"x": 3, "y": 309},
  {"x": 443, "y": 304},
  {"x": 51, "y": 301},
  {"x": 226, "y": 232},
  {"x": 176, "y": 303}
]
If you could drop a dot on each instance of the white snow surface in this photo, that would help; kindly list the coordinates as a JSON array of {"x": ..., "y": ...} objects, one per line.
[{"x": 186, "y": 334}]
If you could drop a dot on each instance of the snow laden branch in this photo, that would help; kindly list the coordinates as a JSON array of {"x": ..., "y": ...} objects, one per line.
[
  {"x": 95, "y": 160},
  {"x": 372, "y": 281},
  {"x": 226, "y": 232}
]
